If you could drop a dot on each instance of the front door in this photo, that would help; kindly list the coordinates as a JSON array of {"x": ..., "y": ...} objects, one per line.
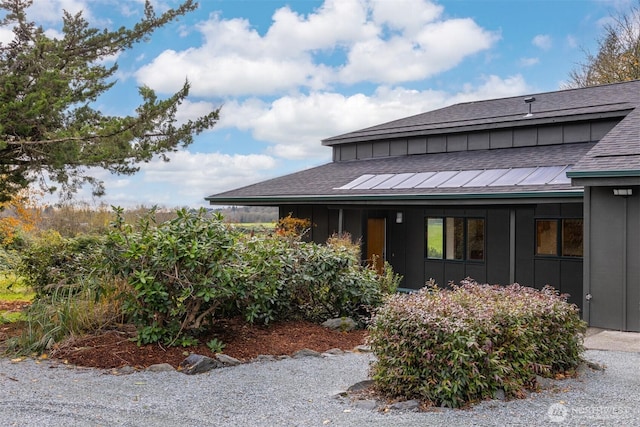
[{"x": 376, "y": 242}]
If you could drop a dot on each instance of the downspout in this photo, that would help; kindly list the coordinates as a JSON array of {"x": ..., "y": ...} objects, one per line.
[{"x": 340, "y": 220}]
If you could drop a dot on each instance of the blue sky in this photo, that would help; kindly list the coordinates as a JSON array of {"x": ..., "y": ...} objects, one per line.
[{"x": 290, "y": 73}]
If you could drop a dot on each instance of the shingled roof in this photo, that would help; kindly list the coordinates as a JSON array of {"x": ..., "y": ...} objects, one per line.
[{"x": 506, "y": 173}]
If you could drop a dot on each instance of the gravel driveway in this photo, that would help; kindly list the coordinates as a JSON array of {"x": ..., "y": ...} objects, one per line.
[{"x": 292, "y": 392}]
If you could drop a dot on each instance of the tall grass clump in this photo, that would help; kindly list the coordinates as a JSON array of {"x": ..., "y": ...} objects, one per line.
[
  {"x": 454, "y": 346},
  {"x": 73, "y": 295}
]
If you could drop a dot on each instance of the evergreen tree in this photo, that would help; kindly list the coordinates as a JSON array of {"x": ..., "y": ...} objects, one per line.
[{"x": 48, "y": 89}]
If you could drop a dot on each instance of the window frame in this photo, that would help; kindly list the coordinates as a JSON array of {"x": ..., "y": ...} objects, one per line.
[
  {"x": 445, "y": 248},
  {"x": 560, "y": 246}
]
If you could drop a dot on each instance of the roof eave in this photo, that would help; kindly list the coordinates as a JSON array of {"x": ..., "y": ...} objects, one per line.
[
  {"x": 603, "y": 173},
  {"x": 351, "y": 199}
]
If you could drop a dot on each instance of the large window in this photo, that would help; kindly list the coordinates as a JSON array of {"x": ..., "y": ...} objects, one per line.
[
  {"x": 454, "y": 238},
  {"x": 559, "y": 237}
]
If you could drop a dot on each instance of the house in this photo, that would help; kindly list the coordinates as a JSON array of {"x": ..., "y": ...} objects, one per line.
[{"x": 537, "y": 189}]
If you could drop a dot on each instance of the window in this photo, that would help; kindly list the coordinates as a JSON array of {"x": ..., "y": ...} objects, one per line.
[
  {"x": 435, "y": 233},
  {"x": 455, "y": 238},
  {"x": 475, "y": 239},
  {"x": 562, "y": 237},
  {"x": 572, "y": 235}
]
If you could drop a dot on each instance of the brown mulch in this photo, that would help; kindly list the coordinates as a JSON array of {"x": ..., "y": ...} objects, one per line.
[{"x": 117, "y": 348}]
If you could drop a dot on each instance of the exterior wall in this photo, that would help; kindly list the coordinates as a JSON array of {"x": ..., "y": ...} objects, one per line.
[
  {"x": 509, "y": 243},
  {"x": 568, "y": 133},
  {"x": 611, "y": 263}
]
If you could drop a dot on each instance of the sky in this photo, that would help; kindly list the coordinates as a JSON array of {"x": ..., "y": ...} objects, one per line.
[{"x": 288, "y": 74}]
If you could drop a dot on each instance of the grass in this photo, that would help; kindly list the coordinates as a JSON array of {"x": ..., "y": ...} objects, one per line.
[
  {"x": 12, "y": 290},
  {"x": 435, "y": 233}
]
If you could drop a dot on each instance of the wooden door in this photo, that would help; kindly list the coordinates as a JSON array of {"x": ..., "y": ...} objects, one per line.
[{"x": 376, "y": 242}]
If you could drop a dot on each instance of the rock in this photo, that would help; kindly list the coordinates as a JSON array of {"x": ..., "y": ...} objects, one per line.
[
  {"x": 407, "y": 405},
  {"x": 499, "y": 394},
  {"x": 367, "y": 404},
  {"x": 334, "y": 351},
  {"x": 362, "y": 349},
  {"x": 362, "y": 385},
  {"x": 125, "y": 370},
  {"x": 265, "y": 358},
  {"x": 197, "y": 364},
  {"x": 227, "y": 360},
  {"x": 544, "y": 383},
  {"x": 306, "y": 352},
  {"x": 343, "y": 324},
  {"x": 160, "y": 367}
]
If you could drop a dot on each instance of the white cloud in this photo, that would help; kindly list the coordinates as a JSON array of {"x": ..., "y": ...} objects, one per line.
[
  {"x": 528, "y": 62},
  {"x": 571, "y": 42},
  {"x": 294, "y": 125},
  {"x": 542, "y": 41},
  {"x": 364, "y": 41},
  {"x": 200, "y": 173}
]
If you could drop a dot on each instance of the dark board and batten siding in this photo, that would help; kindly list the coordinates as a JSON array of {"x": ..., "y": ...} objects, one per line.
[{"x": 481, "y": 140}]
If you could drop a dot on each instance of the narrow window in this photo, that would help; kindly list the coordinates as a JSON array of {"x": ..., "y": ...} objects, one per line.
[
  {"x": 572, "y": 232},
  {"x": 435, "y": 234},
  {"x": 455, "y": 238},
  {"x": 475, "y": 239},
  {"x": 546, "y": 237}
]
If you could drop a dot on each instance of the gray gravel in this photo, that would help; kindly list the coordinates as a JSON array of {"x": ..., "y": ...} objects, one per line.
[{"x": 292, "y": 392}]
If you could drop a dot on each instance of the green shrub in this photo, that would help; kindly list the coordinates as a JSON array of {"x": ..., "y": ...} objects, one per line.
[
  {"x": 180, "y": 272},
  {"x": 451, "y": 347},
  {"x": 185, "y": 272},
  {"x": 330, "y": 281},
  {"x": 53, "y": 264}
]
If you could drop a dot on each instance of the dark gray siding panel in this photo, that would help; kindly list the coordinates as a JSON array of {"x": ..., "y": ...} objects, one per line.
[
  {"x": 550, "y": 135},
  {"x": 457, "y": 142},
  {"x": 348, "y": 152},
  {"x": 525, "y": 137},
  {"x": 434, "y": 270},
  {"x": 571, "y": 280},
  {"x": 398, "y": 148},
  {"x": 453, "y": 272},
  {"x": 417, "y": 145},
  {"x": 478, "y": 141},
  {"x": 525, "y": 245},
  {"x": 501, "y": 139},
  {"x": 580, "y": 132},
  {"x": 607, "y": 228},
  {"x": 477, "y": 272},
  {"x": 397, "y": 245},
  {"x": 353, "y": 223},
  {"x": 547, "y": 272},
  {"x": 437, "y": 144},
  {"x": 415, "y": 244},
  {"x": 320, "y": 224},
  {"x": 381, "y": 149},
  {"x": 615, "y": 225},
  {"x": 600, "y": 129},
  {"x": 497, "y": 240},
  {"x": 633, "y": 259},
  {"x": 364, "y": 150}
]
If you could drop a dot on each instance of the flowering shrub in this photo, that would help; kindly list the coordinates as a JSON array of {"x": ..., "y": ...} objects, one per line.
[{"x": 451, "y": 347}]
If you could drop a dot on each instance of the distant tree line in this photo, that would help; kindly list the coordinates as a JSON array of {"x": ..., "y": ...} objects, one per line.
[{"x": 249, "y": 214}]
